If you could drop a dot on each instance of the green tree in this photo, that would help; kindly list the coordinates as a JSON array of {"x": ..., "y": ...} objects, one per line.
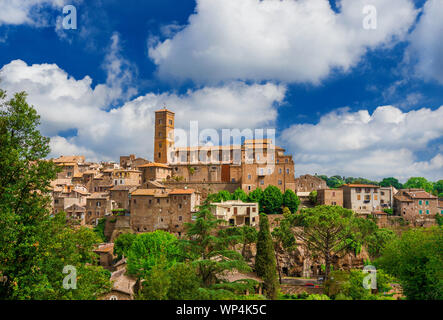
[
  {"x": 419, "y": 183},
  {"x": 349, "y": 284},
  {"x": 222, "y": 195},
  {"x": 272, "y": 200},
  {"x": 156, "y": 286},
  {"x": 378, "y": 240},
  {"x": 210, "y": 254},
  {"x": 313, "y": 197},
  {"x": 265, "y": 262},
  {"x": 256, "y": 196},
  {"x": 149, "y": 249},
  {"x": 326, "y": 231},
  {"x": 35, "y": 246},
  {"x": 416, "y": 260},
  {"x": 99, "y": 229},
  {"x": 239, "y": 194},
  {"x": 388, "y": 182},
  {"x": 438, "y": 187},
  {"x": 123, "y": 243},
  {"x": 291, "y": 201},
  {"x": 186, "y": 282},
  {"x": 284, "y": 238}
]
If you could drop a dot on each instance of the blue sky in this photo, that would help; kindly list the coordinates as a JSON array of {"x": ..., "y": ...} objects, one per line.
[{"x": 344, "y": 99}]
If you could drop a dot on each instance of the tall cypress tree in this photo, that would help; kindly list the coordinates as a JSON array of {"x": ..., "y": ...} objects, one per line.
[{"x": 265, "y": 263}]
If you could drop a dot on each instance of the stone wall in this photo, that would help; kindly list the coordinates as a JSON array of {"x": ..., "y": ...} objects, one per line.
[{"x": 204, "y": 188}]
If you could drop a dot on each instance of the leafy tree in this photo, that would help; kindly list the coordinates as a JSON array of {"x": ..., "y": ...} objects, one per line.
[
  {"x": 123, "y": 243},
  {"x": 378, "y": 240},
  {"x": 438, "y": 187},
  {"x": 256, "y": 196},
  {"x": 99, "y": 229},
  {"x": 326, "y": 232},
  {"x": 239, "y": 194},
  {"x": 156, "y": 286},
  {"x": 313, "y": 197},
  {"x": 149, "y": 249},
  {"x": 291, "y": 201},
  {"x": 272, "y": 200},
  {"x": 284, "y": 239},
  {"x": 186, "y": 283},
  {"x": 265, "y": 262},
  {"x": 419, "y": 183},
  {"x": 416, "y": 260},
  {"x": 35, "y": 246},
  {"x": 388, "y": 182},
  {"x": 222, "y": 195},
  {"x": 349, "y": 284},
  {"x": 210, "y": 254}
]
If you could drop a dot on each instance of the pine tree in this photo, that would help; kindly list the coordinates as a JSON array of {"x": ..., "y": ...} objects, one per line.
[{"x": 265, "y": 262}]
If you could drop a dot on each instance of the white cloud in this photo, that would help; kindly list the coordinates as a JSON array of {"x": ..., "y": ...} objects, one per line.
[
  {"x": 383, "y": 144},
  {"x": 426, "y": 49},
  {"x": 285, "y": 40},
  {"x": 65, "y": 103},
  {"x": 16, "y": 12}
]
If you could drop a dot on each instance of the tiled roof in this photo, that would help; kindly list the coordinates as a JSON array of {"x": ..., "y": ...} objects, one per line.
[
  {"x": 98, "y": 196},
  {"x": 420, "y": 195},
  {"x": 154, "y": 164},
  {"x": 182, "y": 191},
  {"x": 123, "y": 188},
  {"x": 105, "y": 248},
  {"x": 361, "y": 186}
]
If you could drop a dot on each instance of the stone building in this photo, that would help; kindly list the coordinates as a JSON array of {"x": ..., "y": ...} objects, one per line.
[
  {"x": 76, "y": 213},
  {"x": 162, "y": 209},
  {"x": 236, "y": 213},
  {"x": 387, "y": 197},
  {"x": 154, "y": 172},
  {"x": 98, "y": 205},
  {"x": 126, "y": 177},
  {"x": 330, "y": 197},
  {"x": 309, "y": 183},
  {"x": 361, "y": 198},
  {"x": 69, "y": 166},
  {"x": 254, "y": 164},
  {"x": 415, "y": 205},
  {"x": 120, "y": 195}
]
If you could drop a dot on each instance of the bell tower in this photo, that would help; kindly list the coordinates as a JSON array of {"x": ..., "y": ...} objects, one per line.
[{"x": 164, "y": 134}]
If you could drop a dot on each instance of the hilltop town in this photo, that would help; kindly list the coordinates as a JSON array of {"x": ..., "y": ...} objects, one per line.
[{"x": 138, "y": 196}]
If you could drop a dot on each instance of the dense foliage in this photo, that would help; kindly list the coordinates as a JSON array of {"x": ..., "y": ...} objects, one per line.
[
  {"x": 265, "y": 262},
  {"x": 416, "y": 259},
  {"x": 35, "y": 246}
]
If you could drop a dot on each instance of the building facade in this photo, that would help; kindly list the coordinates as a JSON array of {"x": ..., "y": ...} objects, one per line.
[
  {"x": 330, "y": 197},
  {"x": 361, "y": 198},
  {"x": 236, "y": 213},
  {"x": 415, "y": 204}
]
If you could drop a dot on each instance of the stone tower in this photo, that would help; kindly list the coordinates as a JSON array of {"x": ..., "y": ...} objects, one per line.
[{"x": 164, "y": 134}]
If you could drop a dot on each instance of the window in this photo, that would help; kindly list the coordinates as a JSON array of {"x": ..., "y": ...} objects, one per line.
[
  {"x": 420, "y": 202},
  {"x": 180, "y": 206},
  {"x": 358, "y": 197},
  {"x": 160, "y": 144},
  {"x": 280, "y": 182},
  {"x": 249, "y": 188},
  {"x": 135, "y": 201},
  {"x": 254, "y": 209},
  {"x": 180, "y": 218},
  {"x": 375, "y": 197},
  {"x": 287, "y": 171},
  {"x": 170, "y": 122},
  {"x": 420, "y": 212},
  {"x": 333, "y": 194},
  {"x": 160, "y": 121},
  {"x": 160, "y": 134},
  {"x": 427, "y": 211},
  {"x": 98, "y": 204},
  {"x": 235, "y": 210},
  {"x": 280, "y": 171},
  {"x": 158, "y": 200},
  {"x": 382, "y": 193},
  {"x": 262, "y": 182},
  {"x": 427, "y": 202}
]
